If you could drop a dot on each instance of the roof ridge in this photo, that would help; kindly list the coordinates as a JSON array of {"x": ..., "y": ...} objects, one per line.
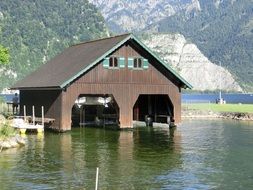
[{"x": 100, "y": 39}]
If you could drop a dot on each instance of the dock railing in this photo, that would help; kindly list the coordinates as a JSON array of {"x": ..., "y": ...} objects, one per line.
[{"x": 31, "y": 122}]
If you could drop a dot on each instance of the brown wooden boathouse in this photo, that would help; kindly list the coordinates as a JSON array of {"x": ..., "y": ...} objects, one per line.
[{"x": 137, "y": 81}]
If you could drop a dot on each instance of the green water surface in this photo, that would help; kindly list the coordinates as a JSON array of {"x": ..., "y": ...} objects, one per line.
[{"x": 200, "y": 154}]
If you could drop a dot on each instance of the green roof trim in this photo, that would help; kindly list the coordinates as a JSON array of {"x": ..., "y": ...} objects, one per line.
[
  {"x": 162, "y": 62},
  {"x": 128, "y": 37},
  {"x": 96, "y": 61}
]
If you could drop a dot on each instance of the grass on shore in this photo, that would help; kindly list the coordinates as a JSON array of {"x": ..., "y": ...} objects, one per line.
[
  {"x": 240, "y": 108},
  {"x": 6, "y": 130}
]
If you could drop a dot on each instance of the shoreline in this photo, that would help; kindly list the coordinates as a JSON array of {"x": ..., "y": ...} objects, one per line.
[
  {"x": 12, "y": 142},
  {"x": 9, "y": 139},
  {"x": 222, "y": 115}
]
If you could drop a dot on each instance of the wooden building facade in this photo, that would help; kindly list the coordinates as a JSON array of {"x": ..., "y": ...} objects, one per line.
[{"x": 120, "y": 67}]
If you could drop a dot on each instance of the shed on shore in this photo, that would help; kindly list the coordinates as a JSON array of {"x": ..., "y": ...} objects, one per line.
[{"x": 116, "y": 79}]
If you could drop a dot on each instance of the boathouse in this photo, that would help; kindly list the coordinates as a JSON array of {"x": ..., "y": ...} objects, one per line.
[{"x": 111, "y": 80}]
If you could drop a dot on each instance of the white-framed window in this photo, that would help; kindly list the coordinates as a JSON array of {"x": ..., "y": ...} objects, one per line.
[
  {"x": 138, "y": 63},
  {"x": 113, "y": 62}
]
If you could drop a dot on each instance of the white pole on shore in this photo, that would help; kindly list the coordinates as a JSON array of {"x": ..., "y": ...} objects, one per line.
[
  {"x": 220, "y": 87},
  {"x": 33, "y": 116},
  {"x": 96, "y": 188}
]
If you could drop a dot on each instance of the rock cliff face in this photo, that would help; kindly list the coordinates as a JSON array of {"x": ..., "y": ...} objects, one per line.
[
  {"x": 136, "y": 15},
  {"x": 133, "y": 15},
  {"x": 222, "y": 29},
  {"x": 186, "y": 58}
]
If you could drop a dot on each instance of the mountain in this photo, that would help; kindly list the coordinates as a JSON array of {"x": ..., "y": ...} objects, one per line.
[
  {"x": 221, "y": 29},
  {"x": 190, "y": 63},
  {"x": 133, "y": 15},
  {"x": 35, "y": 31}
]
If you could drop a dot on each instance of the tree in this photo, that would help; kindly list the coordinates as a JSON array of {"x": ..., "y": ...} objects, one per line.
[{"x": 4, "y": 55}]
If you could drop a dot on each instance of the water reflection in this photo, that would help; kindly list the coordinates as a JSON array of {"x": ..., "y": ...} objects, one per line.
[
  {"x": 127, "y": 159},
  {"x": 121, "y": 157},
  {"x": 201, "y": 154},
  {"x": 157, "y": 151}
]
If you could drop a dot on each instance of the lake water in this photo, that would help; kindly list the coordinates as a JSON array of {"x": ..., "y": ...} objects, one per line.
[
  {"x": 200, "y": 154},
  {"x": 7, "y": 97}
]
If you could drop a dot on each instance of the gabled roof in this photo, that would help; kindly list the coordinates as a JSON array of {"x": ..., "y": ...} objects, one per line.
[{"x": 76, "y": 60}]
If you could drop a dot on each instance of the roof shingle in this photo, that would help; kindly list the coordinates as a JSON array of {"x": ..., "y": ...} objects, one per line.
[
  {"x": 67, "y": 64},
  {"x": 75, "y": 60}
]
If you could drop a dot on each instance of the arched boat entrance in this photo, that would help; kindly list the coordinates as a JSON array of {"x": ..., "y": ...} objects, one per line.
[
  {"x": 121, "y": 66},
  {"x": 158, "y": 108},
  {"x": 95, "y": 110}
]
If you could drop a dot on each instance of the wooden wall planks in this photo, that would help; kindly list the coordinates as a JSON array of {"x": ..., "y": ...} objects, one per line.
[{"x": 124, "y": 84}]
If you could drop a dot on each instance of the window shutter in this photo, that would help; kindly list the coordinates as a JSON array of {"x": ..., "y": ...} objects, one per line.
[
  {"x": 121, "y": 62},
  {"x": 130, "y": 63},
  {"x": 145, "y": 64},
  {"x": 106, "y": 62}
]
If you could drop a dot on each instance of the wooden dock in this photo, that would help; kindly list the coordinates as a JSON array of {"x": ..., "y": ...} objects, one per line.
[
  {"x": 37, "y": 120},
  {"x": 24, "y": 123}
]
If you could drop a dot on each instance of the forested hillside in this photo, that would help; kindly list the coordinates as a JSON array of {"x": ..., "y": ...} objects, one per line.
[
  {"x": 36, "y": 30},
  {"x": 223, "y": 30}
]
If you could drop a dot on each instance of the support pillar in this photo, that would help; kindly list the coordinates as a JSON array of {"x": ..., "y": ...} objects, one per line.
[
  {"x": 176, "y": 102},
  {"x": 65, "y": 120},
  {"x": 66, "y": 112},
  {"x": 136, "y": 112},
  {"x": 125, "y": 110},
  {"x": 126, "y": 119}
]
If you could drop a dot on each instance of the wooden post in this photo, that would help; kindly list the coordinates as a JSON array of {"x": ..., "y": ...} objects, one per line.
[
  {"x": 136, "y": 113},
  {"x": 81, "y": 118},
  {"x": 33, "y": 115},
  {"x": 24, "y": 113},
  {"x": 42, "y": 115},
  {"x": 8, "y": 107},
  {"x": 83, "y": 115},
  {"x": 155, "y": 118}
]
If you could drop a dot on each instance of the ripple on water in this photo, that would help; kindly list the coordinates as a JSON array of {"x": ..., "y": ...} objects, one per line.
[{"x": 212, "y": 154}]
